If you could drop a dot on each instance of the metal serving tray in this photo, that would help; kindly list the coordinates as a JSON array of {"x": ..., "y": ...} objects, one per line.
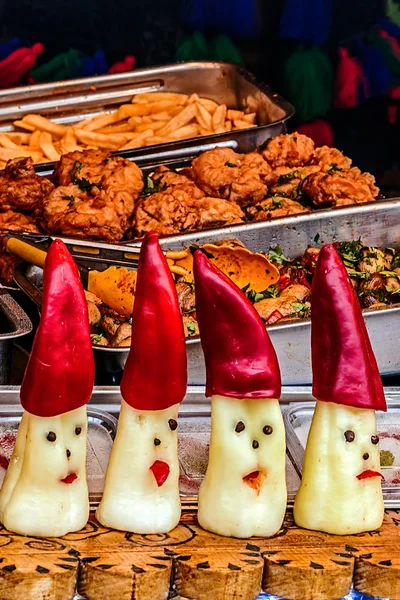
[
  {"x": 377, "y": 224},
  {"x": 14, "y": 323},
  {"x": 70, "y": 101},
  {"x": 298, "y": 418}
]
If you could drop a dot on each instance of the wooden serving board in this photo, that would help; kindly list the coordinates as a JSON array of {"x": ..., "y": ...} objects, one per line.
[{"x": 104, "y": 564}]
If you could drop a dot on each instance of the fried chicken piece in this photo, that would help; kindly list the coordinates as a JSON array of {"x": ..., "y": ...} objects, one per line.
[
  {"x": 290, "y": 150},
  {"x": 363, "y": 178},
  {"x": 272, "y": 208},
  {"x": 100, "y": 207},
  {"x": 165, "y": 177},
  {"x": 286, "y": 180},
  {"x": 21, "y": 188},
  {"x": 284, "y": 306},
  {"x": 182, "y": 208},
  {"x": 300, "y": 291},
  {"x": 92, "y": 161},
  {"x": 327, "y": 157},
  {"x": 186, "y": 297},
  {"x": 240, "y": 178},
  {"x": 16, "y": 222},
  {"x": 337, "y": 189}
]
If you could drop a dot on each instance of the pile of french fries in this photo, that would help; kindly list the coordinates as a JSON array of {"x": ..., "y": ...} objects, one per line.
[{"x": 151, "y": 118}]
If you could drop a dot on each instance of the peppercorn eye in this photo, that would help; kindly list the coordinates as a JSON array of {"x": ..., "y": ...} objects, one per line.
[
  {"x": 172, "y": 424},
  {"x": 157, "y": 442},
  {"x": 78, "y": 430},
  {"x": 267, "y": 429},
  {"x": 374, "y": 439},
  {"x": 240, "y": 427},
  {"x": 349, "y": 436},
  {"x": 51, "y": 436}
]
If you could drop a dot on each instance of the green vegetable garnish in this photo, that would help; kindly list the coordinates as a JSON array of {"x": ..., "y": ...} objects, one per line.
[
  {"x": 351, "y": 252},
  {"x": 276, "y": 202},
  {"x": 275, "y": 254},
  {"x": 96, "y": 338},
  {"x": 191, "y": 328},
  {"x": 333, "y": 167},
  {"x": 299, "y": 307},
  {"x": 270, "y": 292},
  {"x": 387, "y": 458},
  {"x": 288, "y": 177},
  {"x": 230, "y": 164},
  {"x": 83, "y": 184},
  {"x": 150, "y": 186}
]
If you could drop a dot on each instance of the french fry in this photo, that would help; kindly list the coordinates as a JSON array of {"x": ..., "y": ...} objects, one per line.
[
  {"x": 34, "y": 141},
  {"x": 234, "y": 114},
  {"x": 24, "y": 125},
  {"x": 141, "y": 110},
  {"x": 6, "y": 142},
  {"x": 187, "y": 114},
  {"x": 147, "y": 119},
  {"x": 100, "y": 121},
  {"x": 68, "y": 142},
  {"x": 209, "y": 105},
  {"x": 154, "y": 96},
  {"x": 120, "y": 128},
  {"x": 8, "y": 153},
  {"x": 154, "y": 139},
  {"x": 239, "y": 124},
  {"x": 228, "y": 125},
  {"x": 138, "y": 141},
  {"x": 193, "y": 98},
  {"x": 135, "y": 121},
  {"x": 203, "y": 131},
  {"x": 162, "y": 116},
  {"x": 203, "y": 116},
  {"x": 47, "y": 146},
  {"x": 218, "y": 118},
  {"x": 101, "y": 140},
  {"x": 44, "y": 124},
  {"x": 155, "y": 126},
  {"x": 250, "y": 118},
  {"x": 184, "y": 132},
  {"x": 19, "y": 137}
]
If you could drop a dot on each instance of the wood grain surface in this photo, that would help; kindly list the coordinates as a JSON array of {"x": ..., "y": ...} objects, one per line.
[{"x": 296, "y": 564}]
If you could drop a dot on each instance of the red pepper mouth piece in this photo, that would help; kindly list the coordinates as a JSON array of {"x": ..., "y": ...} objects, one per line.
[
  {"x": 255, "y": 479},
  {"x": 160, "y": 470},
  {"x": 70, "y": 478},
  {"x": 368, "y": 473}
]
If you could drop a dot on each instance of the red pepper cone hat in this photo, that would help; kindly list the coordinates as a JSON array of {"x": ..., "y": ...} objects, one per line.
[
  {"x": 343, "y": 362},
  {"x": 155, "y": 375},
  {"x": 240, "y": 359},
  {"x": 60, "y": 373}
]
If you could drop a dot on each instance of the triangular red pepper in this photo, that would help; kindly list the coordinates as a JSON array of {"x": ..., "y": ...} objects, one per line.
[
  {"x": 240, "y": 359},
  {"x": 343, "y": 362},
  {"x": 60, "y": 373},
  {"x": 155, "y": 375}
]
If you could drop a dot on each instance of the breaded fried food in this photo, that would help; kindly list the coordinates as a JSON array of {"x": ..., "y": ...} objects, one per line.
[
  {"x": 339, "y": 188},
  {"x": 183, "y": 208},
  {"x": 20, "y": 187},
  {"x": 98, "y": 208},
  {"x": 164, "y": 177},
  {"x": 92, "y": 165},
  {"x": 240, "y": 178},
  {"x": 286, "y": 180},
  {"x": 290, "y": 150},
  {"x": 272, "y": 208},
  {"x": 328, "y": 158},
  {"x": 15, "y": 222}
]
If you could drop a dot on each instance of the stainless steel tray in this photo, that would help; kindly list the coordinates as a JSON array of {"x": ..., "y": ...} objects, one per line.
[
  {"x": 298, "y": 418},
  {"x": 377, "y": 224},
  {"x": 14, "y": 323},
  {"x": 101, "y": 433},
  {"x": 70, "y": 101}
]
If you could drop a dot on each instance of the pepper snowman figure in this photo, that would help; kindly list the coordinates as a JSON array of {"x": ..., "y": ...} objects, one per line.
[
  {"x": 340, "y": 491},
  {"x": 244, "y": 490},
  {"x": 141, "y": 492},
  {"x": 45, "y": 492}
]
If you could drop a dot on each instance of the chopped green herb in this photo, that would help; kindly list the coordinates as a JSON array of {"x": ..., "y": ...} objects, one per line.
[
  {"x": 150, "y": 186},
  {"x": 191, "y": 328},
  {"x": 281, "y": 194},
  {"x": 96, "y": 338},
  {"x": 84, "y": 184},
  {"x": 390, "y": 274},
  {"x": 130, "y": 321},
  {"x": 396, "y": 261},
  {"x": 333, "y": 167},
  {"x": 351, "y": 252},
  {"x": 392, "y": 290},
  {"x": 230, "y": 164},
  {"x": 316, "y": 238},
  {"x": 359, "y": 274},
  {"x": 258, "y": 207},
  {"x": 276, "y": 255},
  {"x": 276, "y": 202},
  {"x": 270, "y": 292},
  {"x": 299, "y": 307},
  {"x": 288, "y": 177},
  {"x": 69, "y": 198}
]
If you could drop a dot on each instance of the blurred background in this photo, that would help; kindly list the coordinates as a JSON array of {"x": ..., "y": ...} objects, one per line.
[{"x": 337, "y": 61}]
